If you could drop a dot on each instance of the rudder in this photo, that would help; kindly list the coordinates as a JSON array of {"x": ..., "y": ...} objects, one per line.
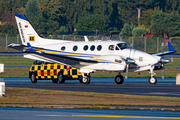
[{"x": 26, "y": 31}]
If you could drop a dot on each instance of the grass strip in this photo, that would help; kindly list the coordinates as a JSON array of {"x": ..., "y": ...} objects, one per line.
[{"x": 40, "y": 98}]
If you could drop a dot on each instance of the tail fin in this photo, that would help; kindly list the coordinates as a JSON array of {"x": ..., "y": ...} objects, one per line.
[{"x": 26, "y": 31}]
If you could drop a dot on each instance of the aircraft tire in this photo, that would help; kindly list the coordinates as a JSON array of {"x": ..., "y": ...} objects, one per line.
[
  {"x": 33, "y": 78},
  {"x": 60, "y": 78},
  {"x": 54, "y": 80},
  {"x": 119, "y": 79},
  {"x": 153, "y": 80},
  {"x": 85, "y": 80}
]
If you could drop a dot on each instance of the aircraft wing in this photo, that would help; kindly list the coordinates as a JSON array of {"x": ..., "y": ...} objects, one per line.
[
  {"x": 59, "y": 58},
  {"x": 171, "y": 50}
]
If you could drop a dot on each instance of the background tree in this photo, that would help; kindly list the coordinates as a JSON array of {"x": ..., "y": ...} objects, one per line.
[
  {"x": 92, "y": 22},
  {"x": 172, "y": 5},
  {"x": 165, "y": 24},
  {"x": 32, "y": 10},
  {"x": 127, "y": 30},
  {"x": 63, "y": 29},
  {"x": 138, "y": 32},
  {"x": 131, "y": 10}
]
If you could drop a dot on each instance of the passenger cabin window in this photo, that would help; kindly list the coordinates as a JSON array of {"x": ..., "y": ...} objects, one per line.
[
  {"x": 123, "y": 46},
  {"x": 99, "y": 47},
  {"x": 75, "y": 48},
  {"x": 111, "y": 47},
  {"x": 85, "y": 47},
  {"x": 92, "y": 48},
  {"x": 63, "y": 48}
]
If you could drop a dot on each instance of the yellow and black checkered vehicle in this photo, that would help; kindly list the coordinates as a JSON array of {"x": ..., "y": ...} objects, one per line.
[{"x": 51, "y": 71}]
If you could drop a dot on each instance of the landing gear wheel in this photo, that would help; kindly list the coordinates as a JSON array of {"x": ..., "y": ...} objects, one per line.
[
  {"x": 85, "y": 80},
  {"x": 33, "y": 78},
  {"x": 153, "y": 80},
  {"x": 54, "y": 80},
  {"x": 60, "y": 78},
  {"x": 119, "y": 79}
]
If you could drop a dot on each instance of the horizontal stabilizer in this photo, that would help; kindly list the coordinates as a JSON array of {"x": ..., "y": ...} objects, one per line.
[
  {"x": 31, "y": 50},
  {"x": 171, "y": 50},
  {"x": 16, "y": 46}
]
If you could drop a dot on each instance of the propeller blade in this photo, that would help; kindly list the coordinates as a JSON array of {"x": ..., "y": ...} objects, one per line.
[{"x": 127, "y": 67}]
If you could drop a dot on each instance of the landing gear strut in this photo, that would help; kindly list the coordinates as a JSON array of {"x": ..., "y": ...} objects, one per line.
[{"x": 152, "y": 79}]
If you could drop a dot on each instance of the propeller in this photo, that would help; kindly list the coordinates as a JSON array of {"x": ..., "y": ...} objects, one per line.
[{"x": 128, "y": 61}]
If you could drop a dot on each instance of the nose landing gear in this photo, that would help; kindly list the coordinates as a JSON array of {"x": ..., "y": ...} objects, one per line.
[{"x": 152, "y": 79}]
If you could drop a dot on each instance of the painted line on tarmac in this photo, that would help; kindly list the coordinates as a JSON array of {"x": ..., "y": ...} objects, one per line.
[{"x": 110, "y": 116}]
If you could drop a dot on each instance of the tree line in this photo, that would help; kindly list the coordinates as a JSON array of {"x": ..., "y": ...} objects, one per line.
[{"x": 131, "y": 17}]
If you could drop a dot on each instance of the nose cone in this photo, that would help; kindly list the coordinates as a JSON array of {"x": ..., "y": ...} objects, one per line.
[
  {"x": 164, "y": 60},
  {"x": 144, "y": 59}
]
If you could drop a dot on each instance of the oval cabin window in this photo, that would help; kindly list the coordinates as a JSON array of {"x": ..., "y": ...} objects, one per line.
[
  {"x": 92, "y": 48},
  {"x": 85, "y": 47},
  {"x": 63, "y": 48},
  {"x": 99, "y": 47},
  {"x": 75, "y": 48}
]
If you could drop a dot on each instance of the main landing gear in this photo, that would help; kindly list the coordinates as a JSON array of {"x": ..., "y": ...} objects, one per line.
[{"x": 119, "y": 79}]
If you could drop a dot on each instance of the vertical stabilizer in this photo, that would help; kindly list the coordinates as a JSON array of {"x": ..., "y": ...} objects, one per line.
[{"x": 26, "y": 31}]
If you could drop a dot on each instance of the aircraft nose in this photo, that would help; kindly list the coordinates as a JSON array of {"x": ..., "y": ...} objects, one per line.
[
  {"x": 154, "y": 60},
  {"x": 145, "y": 58}
]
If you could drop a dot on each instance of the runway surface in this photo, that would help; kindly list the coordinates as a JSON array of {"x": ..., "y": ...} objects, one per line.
[
  {"x": 133, "y": 86},
  {"x": 84, "y": 114}
]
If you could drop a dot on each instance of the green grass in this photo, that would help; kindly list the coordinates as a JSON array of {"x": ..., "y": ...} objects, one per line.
[
  {"x": 175, "y": 63},
  {"x": 28, "y": 97},
  {"x": 15, "y": 60}
]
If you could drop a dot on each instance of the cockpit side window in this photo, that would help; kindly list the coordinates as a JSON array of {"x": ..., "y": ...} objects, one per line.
[
  {"x": 123, "y": 46},
  {"x": 117, "y": 48},
  {"x": 111, "y": 47}
]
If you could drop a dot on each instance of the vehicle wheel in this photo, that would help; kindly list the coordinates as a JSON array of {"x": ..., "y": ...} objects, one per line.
[
  {"x": 54, "y": 80},
  {"x": 153, "y": 80},
  {"x": 85, "y": 80},
  {"x": 33, "y": 78},
  {"x": 119, "y": 79},
  {"x": 60, "y": 78}
]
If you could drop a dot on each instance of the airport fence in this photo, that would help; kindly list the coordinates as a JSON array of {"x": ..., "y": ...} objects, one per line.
[{"x": 146, "y": 44}]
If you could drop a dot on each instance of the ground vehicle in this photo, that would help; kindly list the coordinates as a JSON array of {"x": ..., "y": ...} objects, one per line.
[{"x": 41, "y": 70}]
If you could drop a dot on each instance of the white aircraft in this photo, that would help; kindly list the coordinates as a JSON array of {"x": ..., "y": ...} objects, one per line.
[{"x": 88, "y": 56}]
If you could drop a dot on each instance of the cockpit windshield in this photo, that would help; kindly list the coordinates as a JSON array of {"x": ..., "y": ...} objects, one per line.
[{"x": 123, "y": 46}]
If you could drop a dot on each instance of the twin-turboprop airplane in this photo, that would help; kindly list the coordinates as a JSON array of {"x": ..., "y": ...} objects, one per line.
[{"x": 88, "y": 56}]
